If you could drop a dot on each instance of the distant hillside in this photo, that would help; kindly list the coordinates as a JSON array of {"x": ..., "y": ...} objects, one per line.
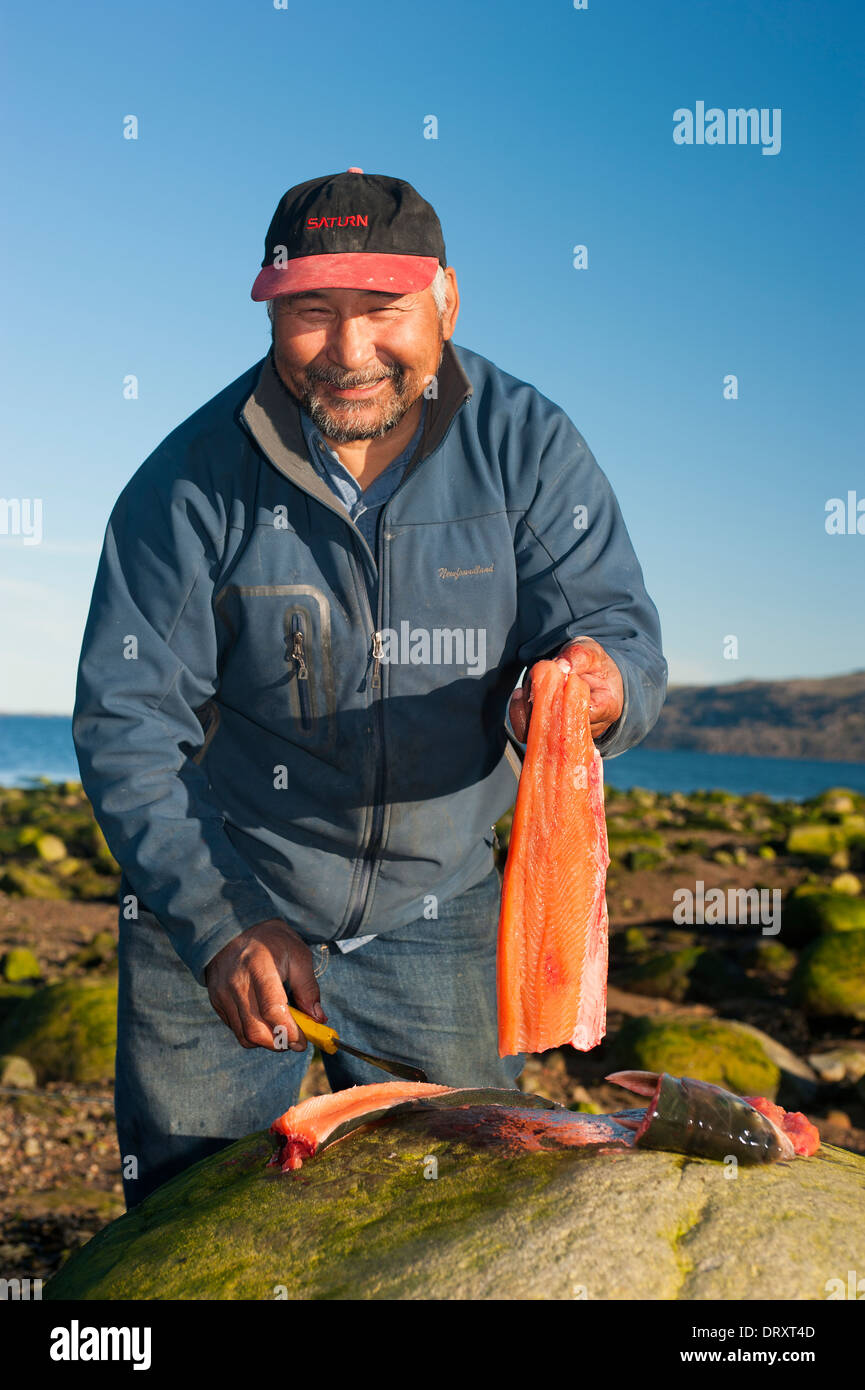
[{"x": 768, "y": 719}]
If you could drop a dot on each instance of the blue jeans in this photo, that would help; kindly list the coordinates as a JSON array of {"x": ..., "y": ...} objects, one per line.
[{"x": 425, "y": 994}]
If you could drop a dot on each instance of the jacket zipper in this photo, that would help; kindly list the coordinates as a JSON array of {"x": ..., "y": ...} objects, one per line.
[
  {"x": 370, "y": 850},
  {"x": 299, "y": 656}
]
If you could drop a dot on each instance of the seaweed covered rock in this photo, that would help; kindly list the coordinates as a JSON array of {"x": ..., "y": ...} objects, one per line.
[
  {"x": 830, "y": 978},
  {"x": 20, "y": 881},
  {"x": 706, "y": 1049},
  {"x": 66, "y": 1031},
  {"x": 816, "y": 841},
  {"x": 812, "y": 910},
  {"x": 19, "y": 963},
  {"x": 692, "y": 973},
  {"x": 411, "y": 1209}
]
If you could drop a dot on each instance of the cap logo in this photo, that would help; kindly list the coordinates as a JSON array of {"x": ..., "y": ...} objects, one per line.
[{"x": 356, "y": 219}]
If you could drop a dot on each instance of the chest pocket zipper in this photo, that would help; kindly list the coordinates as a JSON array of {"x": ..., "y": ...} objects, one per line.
[{"x": 298, "y": 654}]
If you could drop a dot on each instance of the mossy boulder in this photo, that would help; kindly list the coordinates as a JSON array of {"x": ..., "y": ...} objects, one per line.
[
  {"x": 817, "y": 841},
  {"x": 16, "y": 1071},
  {"x": 836, "y": 801},
  {"x": 811, "y": 911},
  {"x": 19, "y": 963},
  {"x": 66, "y": 1031},
  {"x": 100, "y": 951},
  {"x": 846, "y": 883},
  {"x": 771, "y": 960},
  {"x": 366, "y": 1219},
  {"x": 692, "y": 973},
  {"x": 706, "y": 1049},
  {"x": 89, "y": 886},
  {"x": 50, "y": 848},
  {"x": 830, "y": 978},
  {"x": 21, "y": 881}
]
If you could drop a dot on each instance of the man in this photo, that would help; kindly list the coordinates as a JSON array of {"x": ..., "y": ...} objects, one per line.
[{"x": 313, "y": 605}]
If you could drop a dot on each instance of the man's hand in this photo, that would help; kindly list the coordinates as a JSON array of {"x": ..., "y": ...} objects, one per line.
[
  {"x": 245, "y": 984},
  {"x": 601, "y": 674}
]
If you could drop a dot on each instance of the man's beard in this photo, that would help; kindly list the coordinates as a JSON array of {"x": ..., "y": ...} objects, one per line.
[{"x": 353, "y": 421}]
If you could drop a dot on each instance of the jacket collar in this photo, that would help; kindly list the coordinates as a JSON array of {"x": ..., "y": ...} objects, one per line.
[{"x": 271, "y": 416}]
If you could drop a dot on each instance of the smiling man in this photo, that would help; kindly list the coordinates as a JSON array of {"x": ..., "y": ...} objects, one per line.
[{"x": 315, "y": 610}]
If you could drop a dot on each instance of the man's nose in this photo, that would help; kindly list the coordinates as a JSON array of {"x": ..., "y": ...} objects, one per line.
[{"x": 351, "y": 344}]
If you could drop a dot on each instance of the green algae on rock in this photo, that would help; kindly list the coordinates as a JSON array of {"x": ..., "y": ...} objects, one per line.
[
  {"x": 812, "y": 910},
  {"x": 695, "y": 972},
  {"x": 397, "y": 1211},
  {"x": 706, "y": 1049},
  {"x": 66, "y": 1031},
  {"x": 18, "y": 964},
  {"x": 830, "y": 978},
  {"x": 20, "y": 881}
]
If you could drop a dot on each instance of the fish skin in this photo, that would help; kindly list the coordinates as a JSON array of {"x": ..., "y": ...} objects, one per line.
[
  {"x": 507, "y": 1119},
  {"x": 553, "y": 923},
  {"x": 684, "y": 1116}
]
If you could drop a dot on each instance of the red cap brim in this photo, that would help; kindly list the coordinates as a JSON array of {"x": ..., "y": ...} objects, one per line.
[{"x": 354, "y": 270}]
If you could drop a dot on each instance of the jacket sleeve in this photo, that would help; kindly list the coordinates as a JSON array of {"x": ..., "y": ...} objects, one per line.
[
  {"x": 578, "y": 576},
  {"x": 148, "y": 661}
]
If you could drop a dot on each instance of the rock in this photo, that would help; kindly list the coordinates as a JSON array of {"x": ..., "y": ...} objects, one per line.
[
  {"x": 844, "y": 1062},
  {"x": 362, "y": 1221},
  {"x": 771, "y": 959},
  {"x": 66, "y": 1031},
  {"x": 19, "y": 963},
  {"x": 691, "y": 973},
  {"x": 50, "y": 848},
  {"x": 69, "y": 867},
  {"x": 707, "y": 1049},
  {"x": 16, "y": 1071},
  {"x": 637, "y": 859},
  {"x": 89, "y": 886},
  {"x": 846, "y": 883},
  {"x": 830, "y": 978},
  {"x": 836, "y": 801},
  {"x": 811, "y": 911},
  {"x": 815, "y": 840},
  {"x": 636, "y": 940},
  {"x": 24, "y": 882},
  {"x": 102, "y": 950},
  {"x": 798, "y": 1083},
  {"x": 854, "y": 830}
]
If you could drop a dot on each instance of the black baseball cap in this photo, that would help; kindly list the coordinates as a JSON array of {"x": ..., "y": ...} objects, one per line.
[{"x": 351, "y": 231}]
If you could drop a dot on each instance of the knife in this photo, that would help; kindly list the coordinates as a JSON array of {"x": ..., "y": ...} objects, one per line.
[{"x": 329, "y": 1041}]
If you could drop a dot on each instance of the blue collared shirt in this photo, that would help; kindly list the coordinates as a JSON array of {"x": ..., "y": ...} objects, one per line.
[{"x": 363, "y": 506}]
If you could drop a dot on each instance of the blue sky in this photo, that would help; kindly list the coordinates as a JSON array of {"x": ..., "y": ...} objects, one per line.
[{"x": 555, "y": 127}]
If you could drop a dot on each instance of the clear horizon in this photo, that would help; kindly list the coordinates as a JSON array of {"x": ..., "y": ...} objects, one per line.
[{"x": 704, "y": 261}]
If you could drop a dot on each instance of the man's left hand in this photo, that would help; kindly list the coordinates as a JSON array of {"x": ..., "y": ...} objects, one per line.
[{"x": 588, "y": 659}]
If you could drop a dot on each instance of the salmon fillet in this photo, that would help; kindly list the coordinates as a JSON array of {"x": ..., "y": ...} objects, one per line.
[
  {"x": 553, "y": 923},
  {"x": 305, "y": 1127}
]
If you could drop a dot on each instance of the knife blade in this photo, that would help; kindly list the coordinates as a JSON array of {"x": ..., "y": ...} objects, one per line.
[{"x": 329, "y": 1041}]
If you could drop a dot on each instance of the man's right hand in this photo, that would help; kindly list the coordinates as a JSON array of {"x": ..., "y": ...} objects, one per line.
[{"x": 245, "y": 984}]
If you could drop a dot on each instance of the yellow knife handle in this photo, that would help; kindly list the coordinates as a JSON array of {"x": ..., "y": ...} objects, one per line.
[{"x": 317, "y": 1033}]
